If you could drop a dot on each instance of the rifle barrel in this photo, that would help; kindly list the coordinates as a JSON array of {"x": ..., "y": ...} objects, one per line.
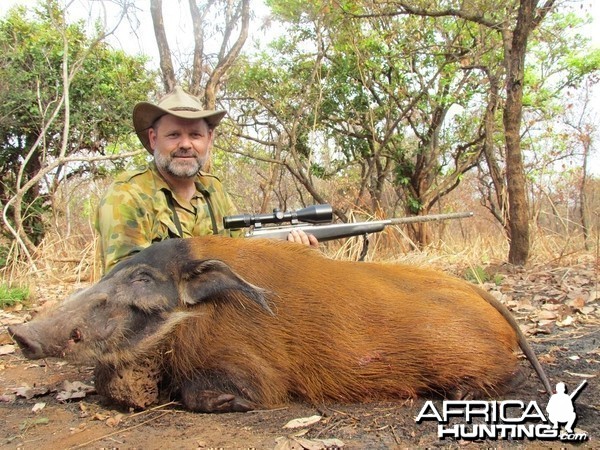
[
  {"x": 431, "y": 218},
  {"x": 576, "y": 391},
  {"x": 344, "y": 230}
]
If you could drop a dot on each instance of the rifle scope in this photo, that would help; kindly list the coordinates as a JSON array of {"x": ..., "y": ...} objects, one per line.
[{"x": 311, "y": 214}]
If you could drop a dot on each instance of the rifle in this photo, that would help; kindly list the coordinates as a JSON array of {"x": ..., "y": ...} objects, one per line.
[
  {"x": 575, "y": 393},
  {"x": 311, "y": 220}
]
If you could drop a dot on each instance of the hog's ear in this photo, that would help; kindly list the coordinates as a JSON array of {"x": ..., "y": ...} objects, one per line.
[{"x": 210, "y": 278}]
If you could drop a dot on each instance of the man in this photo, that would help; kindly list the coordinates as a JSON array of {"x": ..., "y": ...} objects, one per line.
[
  {"x": 560, "y": 408},
  {"x": 172, "y": 197}
]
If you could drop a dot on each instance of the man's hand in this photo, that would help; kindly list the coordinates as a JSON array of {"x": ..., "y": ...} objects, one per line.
[{"x": 300, "y": 237}]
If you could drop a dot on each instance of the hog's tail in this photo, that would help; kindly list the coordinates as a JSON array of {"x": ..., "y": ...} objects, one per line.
[{"x": 521, "y": 339}]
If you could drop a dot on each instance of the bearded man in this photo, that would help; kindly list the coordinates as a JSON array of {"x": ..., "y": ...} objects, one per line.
[{"x": 172, "y": 197}]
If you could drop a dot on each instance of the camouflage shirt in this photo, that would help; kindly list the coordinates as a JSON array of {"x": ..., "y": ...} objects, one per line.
[{"x": 135, "y": 212}]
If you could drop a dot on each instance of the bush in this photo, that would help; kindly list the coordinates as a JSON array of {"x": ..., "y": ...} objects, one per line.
[
  {"x": 10, "y": 296},
  {"x": 479, "y": 275}
]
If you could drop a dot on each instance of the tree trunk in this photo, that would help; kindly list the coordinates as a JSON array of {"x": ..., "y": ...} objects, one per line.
[
  {"x": 166, "y": 64},
  {"x": 197, "y": 69},
  {"x": 518, "y": 208},
  {"x": 528, "y": 18},
  {"x": 583, "y": 205},
  {"x": 497, "y": 201}
]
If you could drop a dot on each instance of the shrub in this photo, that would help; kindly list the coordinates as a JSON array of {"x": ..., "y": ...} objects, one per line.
[{"x": 10, "y": 296}]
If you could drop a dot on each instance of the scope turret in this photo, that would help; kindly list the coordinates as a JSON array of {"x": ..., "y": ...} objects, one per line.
[{"x": 311, "y": 214}]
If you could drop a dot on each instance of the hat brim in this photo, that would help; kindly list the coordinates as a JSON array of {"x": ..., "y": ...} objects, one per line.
[{"x": 145, "y": 114}]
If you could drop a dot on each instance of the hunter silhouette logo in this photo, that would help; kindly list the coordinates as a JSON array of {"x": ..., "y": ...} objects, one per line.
[
  {"x": 506, "y": 419},
  {"x": 560, "y": 407}
]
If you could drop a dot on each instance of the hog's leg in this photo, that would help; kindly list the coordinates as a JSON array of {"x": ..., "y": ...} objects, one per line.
[
  {"x": 213, "y": 393},
  {"x": 471, "y": 391},
  {"x": 135, "y": 385}
]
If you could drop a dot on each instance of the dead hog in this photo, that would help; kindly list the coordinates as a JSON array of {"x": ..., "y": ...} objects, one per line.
[{"x": 236, "y": 324}]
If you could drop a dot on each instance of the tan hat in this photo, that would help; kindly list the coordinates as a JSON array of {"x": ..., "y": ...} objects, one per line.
[{"x": 177, "y": 103}]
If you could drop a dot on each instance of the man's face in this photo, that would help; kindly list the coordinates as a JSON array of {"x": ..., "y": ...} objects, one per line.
[{"x": 181, "y": 146}]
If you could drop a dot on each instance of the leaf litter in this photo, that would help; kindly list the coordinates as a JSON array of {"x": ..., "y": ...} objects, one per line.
[{"x": 557, "y": 307}]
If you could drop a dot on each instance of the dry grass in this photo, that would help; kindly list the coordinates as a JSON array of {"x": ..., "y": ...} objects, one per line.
[
  {"x": 460, "y": 256},
  {"x": 460, "y": 247},
  {"x": 58, "y": 260}
]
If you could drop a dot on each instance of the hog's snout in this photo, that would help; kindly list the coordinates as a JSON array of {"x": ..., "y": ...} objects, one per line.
[{"x": 28, "y": 340}]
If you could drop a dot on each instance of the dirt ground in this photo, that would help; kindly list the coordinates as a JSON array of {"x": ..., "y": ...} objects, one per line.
[{"x": 52, "y": 405}]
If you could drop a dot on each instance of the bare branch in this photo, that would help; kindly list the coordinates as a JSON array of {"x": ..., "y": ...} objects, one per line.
[
  {"x": 166, "y": 64},
  {"x": 403, "y": 8},
  {"x": 228, "y": 58},
  {"x": 197, "y": 22}
]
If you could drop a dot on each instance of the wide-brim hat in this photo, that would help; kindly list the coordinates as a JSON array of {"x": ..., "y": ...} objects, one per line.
[{"x": 177, "y": 103}]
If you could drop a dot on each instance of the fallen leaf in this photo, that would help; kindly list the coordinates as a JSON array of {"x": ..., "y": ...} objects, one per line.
[
  {"x": 7, "y": 349},
  {"x": 29, "y": 392},
  {"x": 524, "y": 306},
  {"x": 547, "y": 359},
  {"x": 114, "y": 421},
  {"x": 320, "y": 444},
  {"x": 12, "y": 319},
  {"x": 79, "y": 428},
  {"x": 574, "y": 358},
  {"x": 587, "y": 310},
  {"x": 546, "y": 315},
  {"x": 286, "y": 443},
  {"x": 577, "y": 303},
  {"x": 551, "y": 306},
  {"x": 527, "y": 329},
  {"x": 566, "y": 322},
  {"x": 83, "y": 410},
  {"x": 8, "y": 398},
  {"x": 100, "y": 416},
  {"x": 296, "y": 443},
  {"x": 302, "y": 422},
  {"x": 38, "y": 407},
  {"x": 74, "y": 390}
]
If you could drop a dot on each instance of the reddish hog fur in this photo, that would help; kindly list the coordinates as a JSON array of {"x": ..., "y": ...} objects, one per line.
[{"x": 242, "y": 323}]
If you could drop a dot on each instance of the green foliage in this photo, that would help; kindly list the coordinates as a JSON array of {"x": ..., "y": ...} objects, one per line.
[
  {"x": 103, "y": 87},
  {"x": 318, "y": 170},
  {"x": 414, "y": 205},
  {"x": 407, "y": 101},
  {"x": 4, "y": 253},
  {"x": 10, "y": 296},
  {"x": 558, "y": 58},
  {"x": 27, "y": 424},
  {"x": 102, "y": 92},
  {"x": 583, "y": 64},
  {"x": 480, "y": 275}
]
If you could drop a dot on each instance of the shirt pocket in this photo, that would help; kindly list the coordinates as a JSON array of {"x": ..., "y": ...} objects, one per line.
[{"x": 164, "y": 227}]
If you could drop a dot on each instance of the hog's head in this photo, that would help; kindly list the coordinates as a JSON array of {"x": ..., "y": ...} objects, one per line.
[{"x": 132, "y": 307}]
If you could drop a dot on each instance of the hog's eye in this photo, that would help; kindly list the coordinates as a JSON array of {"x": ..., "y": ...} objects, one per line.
[{"x": 141, "y": 277}]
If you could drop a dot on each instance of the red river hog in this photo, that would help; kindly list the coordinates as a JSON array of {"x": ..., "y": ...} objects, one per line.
[{"x": 236, "y": 324}]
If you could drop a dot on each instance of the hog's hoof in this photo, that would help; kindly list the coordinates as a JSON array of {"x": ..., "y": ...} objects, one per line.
[
  {"x": 132, "y": 386},
  {"x": 214, "y": 402}
]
